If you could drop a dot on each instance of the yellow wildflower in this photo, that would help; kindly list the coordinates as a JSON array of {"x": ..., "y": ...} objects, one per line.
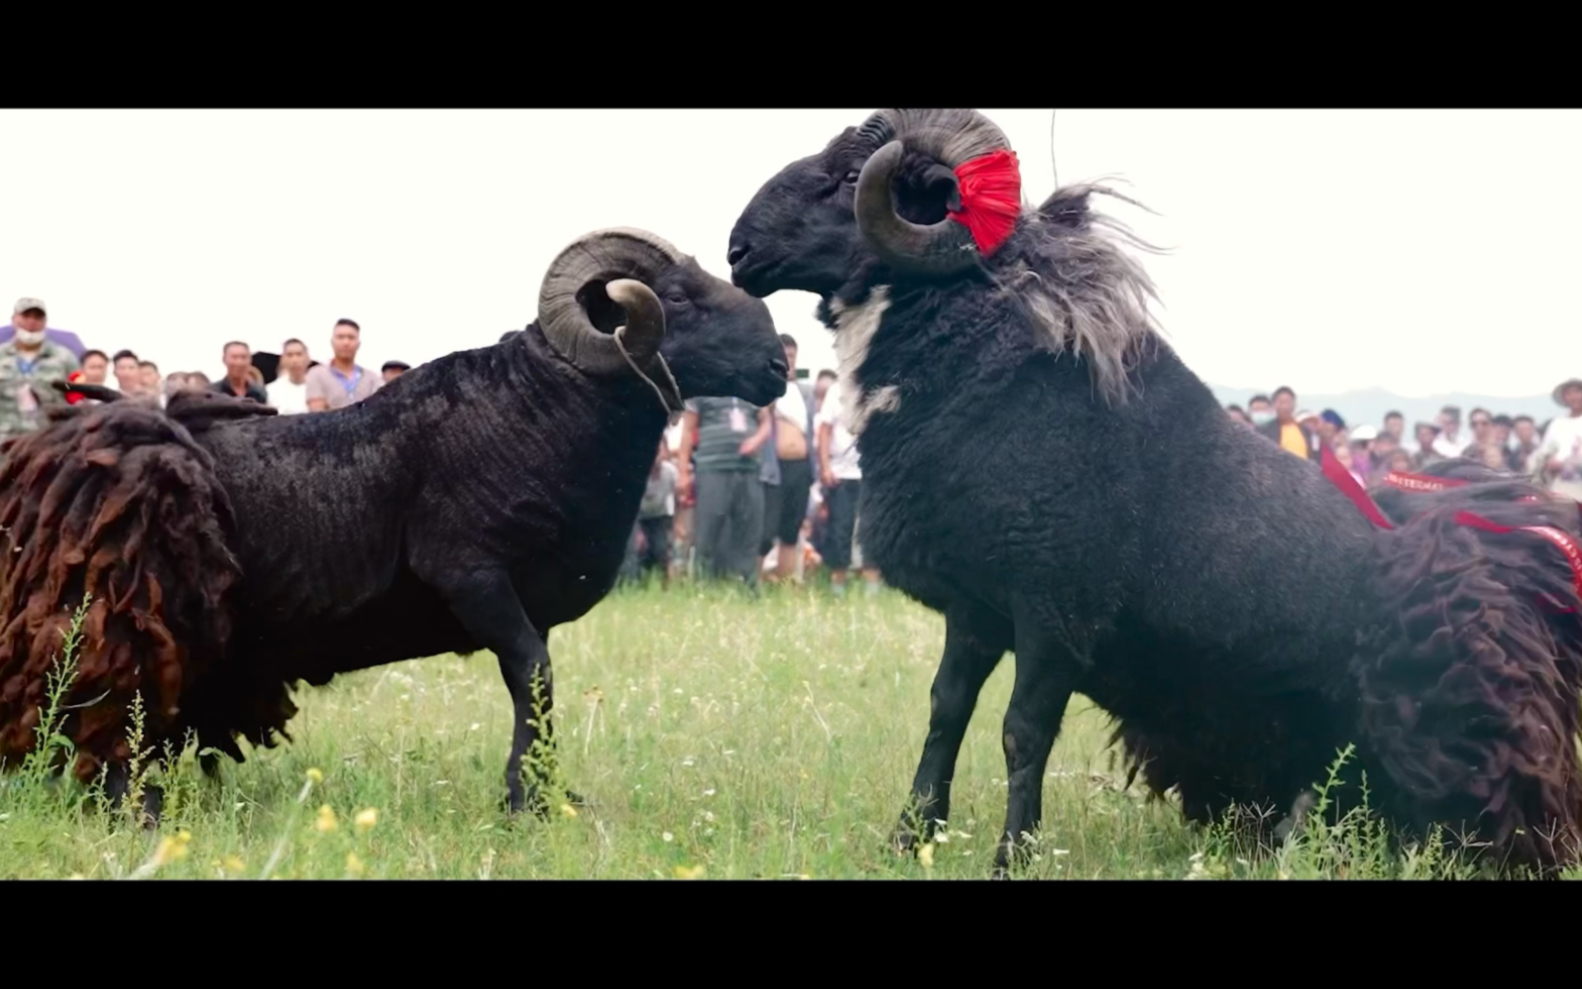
[
  {"x": 925, "y": 855},
  {"x": 568, "y": 810},
  {"x": 366, "y": 818},
  {"x": 326, "y": 820},
  {"x": 170, "y": 849},
  {"x": 695, "y": 872},
  {"x": 234, "y": 864},
  {"x": 316, "y": 775},
  {"x": 354, "y": 865}
]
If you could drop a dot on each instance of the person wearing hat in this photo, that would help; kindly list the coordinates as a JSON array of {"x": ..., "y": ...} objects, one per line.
[
  {"x": 29, "y": 361},
  {"x": 1360, "y": 441},
  {"x": 394, "y": 369},
  {"x": 28, "y": 315},
  {"x": 1427, "y": 452},
  {"x": 1558, "y": 459},
  {"x": 1288, "y": 431},
  {"x": 1330, "y": 425},
  {"x": 1382, "y": 445}
]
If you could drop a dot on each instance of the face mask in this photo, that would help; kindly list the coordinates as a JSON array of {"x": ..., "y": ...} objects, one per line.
[
  {"x": 30, "y": 338},
  {"x": 1262, "y": 417}
]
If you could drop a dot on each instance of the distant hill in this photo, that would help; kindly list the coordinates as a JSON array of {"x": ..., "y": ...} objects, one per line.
[{"x": 1370, "y": 405}]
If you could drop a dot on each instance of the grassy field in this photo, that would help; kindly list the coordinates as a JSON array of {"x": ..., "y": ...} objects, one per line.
[{"x": 713, "y": 736}]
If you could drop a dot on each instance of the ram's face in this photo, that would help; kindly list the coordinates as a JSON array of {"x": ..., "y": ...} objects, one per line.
[
  {"x": 799, "y": 232},
  {"x": 719, "y": 341}
]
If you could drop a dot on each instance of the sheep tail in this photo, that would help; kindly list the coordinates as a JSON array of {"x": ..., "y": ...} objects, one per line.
[
  {"x": 119, "y": 503},
  {"x": 1469, "y": 683}
]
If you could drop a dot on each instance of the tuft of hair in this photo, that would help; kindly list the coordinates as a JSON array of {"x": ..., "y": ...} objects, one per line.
[
  {"x": 1067, "y": 265},
  {"x": 117, "y": 501}
]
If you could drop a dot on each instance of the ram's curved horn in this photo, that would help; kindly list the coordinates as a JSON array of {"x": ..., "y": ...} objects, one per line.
[
  {"x": 608, "y": 256},
  {"x": 950, "y": 137}
]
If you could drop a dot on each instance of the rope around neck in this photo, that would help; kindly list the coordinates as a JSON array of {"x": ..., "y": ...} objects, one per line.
[{"x": 665, "y": 400}]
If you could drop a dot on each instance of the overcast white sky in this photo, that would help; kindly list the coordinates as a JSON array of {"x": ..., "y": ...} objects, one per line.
[{"x": 1421, "y": 251}]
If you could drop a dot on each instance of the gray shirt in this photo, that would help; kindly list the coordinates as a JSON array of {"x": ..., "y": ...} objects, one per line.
[{"x": 723, "y": 424}]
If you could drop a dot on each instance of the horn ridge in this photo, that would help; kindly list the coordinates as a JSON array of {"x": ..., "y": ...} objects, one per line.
[{"x": 606, "y": 255}]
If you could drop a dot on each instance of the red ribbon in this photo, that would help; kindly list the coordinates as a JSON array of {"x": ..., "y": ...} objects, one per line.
[
  {"x": 991, "y": 198},
  {"x": 1341, "y": 478},
  {"x": 73, "y": 397},
  {"x": 1420, "y": 482},
  {"x": 1348, "y": 485},
  {"x": 1567, "y": 545}
]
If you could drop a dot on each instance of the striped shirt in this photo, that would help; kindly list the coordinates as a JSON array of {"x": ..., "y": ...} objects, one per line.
[{"x": 723, "y": 424}]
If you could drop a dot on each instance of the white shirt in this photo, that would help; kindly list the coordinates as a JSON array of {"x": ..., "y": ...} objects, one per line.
[
  {"x": 1562, "y": 441},
  {"x": 290, "y": 399},
  {"x": 843, "y": 459},
  {"x": 1447, "y": 447},
  {"x": 792, "y": 407}
]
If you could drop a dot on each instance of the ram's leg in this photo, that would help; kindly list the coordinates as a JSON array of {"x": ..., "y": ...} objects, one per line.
[
  {"x": 1046, "y": 671},
  {"x": 487, "y": 606},
  {"x": 550, "y": 743},
  {"x": 971, "y": 654},
  {"x": 118, "y": 783}
]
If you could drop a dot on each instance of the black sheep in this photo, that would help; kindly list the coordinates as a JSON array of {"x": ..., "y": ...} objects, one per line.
[
  {"x": 475, "y": 502},
  {"x": 1041, "y": 468}
]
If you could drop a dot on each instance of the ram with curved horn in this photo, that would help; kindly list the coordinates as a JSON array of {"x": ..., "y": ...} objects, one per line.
[
  {"x": 476, "y": 502},
  {"x": 1042, "y": 469}
]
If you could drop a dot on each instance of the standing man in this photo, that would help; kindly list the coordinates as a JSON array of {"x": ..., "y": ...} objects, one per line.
[
  {"x": 236, "y": 383},
  {"x": 1395, "y": 425},
  {"x": 128, "y": 379},
  {"x": 1287, "y": 432},
  {"x": 1451, "y": 441},
  {"x": 342, "y": 381},
  {"x": 840, "y": 475},
  {"x": 790, "y": 451},
  {"x": 148, "y": 377},
  {"x": 29, "y": 361},
  {"x": 28, "y": 314},
  {"x": 394, "y": 369},
  {"x": 95, "y": 367},
  {"x": 289, "y": 392},
  {"x": 729, "y": 512},
  {"x": 1557, "y": 461}
]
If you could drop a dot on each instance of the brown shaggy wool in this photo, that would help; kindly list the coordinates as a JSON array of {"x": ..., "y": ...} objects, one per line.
[
  {"x": 118, "y": 501},
  {"x": 1468, "y": 683}
]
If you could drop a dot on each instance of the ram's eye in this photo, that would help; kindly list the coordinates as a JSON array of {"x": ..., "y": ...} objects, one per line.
[{"x": 852, "y": 176}]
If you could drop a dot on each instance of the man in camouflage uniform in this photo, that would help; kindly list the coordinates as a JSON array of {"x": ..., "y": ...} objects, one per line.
[{"x": 29, "y": 361}]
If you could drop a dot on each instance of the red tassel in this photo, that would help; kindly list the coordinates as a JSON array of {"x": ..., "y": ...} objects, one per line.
[
  {"x": 73, "y": 397},
  {"x": 991, "y": 198}
]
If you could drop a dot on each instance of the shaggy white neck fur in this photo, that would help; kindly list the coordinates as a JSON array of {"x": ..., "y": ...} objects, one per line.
[{"x": 854, "y": 330}]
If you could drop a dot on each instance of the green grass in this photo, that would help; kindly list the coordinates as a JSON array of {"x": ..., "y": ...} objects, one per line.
[{"x": 713, "y": 736}]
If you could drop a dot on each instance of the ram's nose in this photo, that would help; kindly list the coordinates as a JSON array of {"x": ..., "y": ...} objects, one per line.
[
  {"x": 780, "y": 367},
  {"x": 738, "y": 253}
]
